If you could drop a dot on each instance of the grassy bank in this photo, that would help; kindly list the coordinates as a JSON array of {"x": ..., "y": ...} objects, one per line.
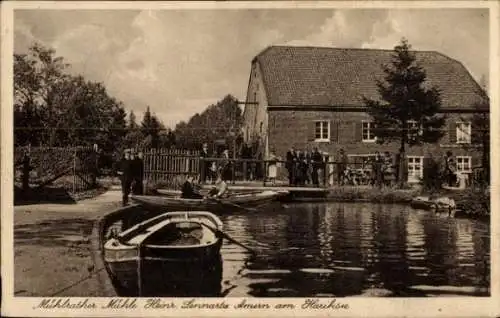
[
  {"x": 471, "y": 203},
  {"x": 371, "y": 194}
]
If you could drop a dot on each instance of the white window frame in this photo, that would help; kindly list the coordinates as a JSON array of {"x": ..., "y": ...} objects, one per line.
[
  {"x": 369, "y": 133},
  {"x": 414, "y": 124},
  {"x": 322, "y": 138},
  {"x": 464, "y": 135},
  {"x": 460, "y": 165},
  {"x": 412, "y": 177}
]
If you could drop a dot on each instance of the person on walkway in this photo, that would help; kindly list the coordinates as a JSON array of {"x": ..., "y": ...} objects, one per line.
[
  {"x": 308, "y": 167},
  {"x": 226, "y": 165},
  {"x": 126, "y": 176},
  {"x": 220, "y": 188},
  {"x": 342, "y": 172},
  {"x": 290, "y": 166},
  {"x": 205, "y": 164},
  {"x": 272, "y": 168},
  {"x": 302, "y": 168},
  {"x": 317, "y": 163},
  {"x": 138, "y": 171},
  {"x": 188, "y": 189}
]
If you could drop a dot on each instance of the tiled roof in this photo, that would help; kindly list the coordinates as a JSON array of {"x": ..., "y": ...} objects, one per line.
[{"x": 317, "y": 76}]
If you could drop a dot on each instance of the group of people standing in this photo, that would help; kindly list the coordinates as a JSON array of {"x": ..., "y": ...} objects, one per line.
[
  {"x": 303, "y": 166},
  {"x": 211, "y": 169},
  {"x": 131, "y": 170},
  {"x": 382, "y": 169}
]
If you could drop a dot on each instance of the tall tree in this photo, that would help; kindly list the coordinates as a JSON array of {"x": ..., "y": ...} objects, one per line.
[
  {"x": 133, "y": 136},
  {"x": 220, "y": 121},
  {"x": 151, "y": 128},
  {"x": 54, "y": 108},
  {"x": 408, "y": 112},
  {"x": 132, "y": 121}
]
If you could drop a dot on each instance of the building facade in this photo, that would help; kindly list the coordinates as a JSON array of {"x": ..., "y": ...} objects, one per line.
[{"x": 306, "y": 97}]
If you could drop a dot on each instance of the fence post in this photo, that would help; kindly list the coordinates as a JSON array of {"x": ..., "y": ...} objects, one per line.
[
  {"x": 202, "y": 170},
  {"x": 26, "y": 172},
  {"x": 74, "y": 171},
  {"x": 245, "y": 170},
  {"x": 264, "y": 172},
  {"x": 233, "y": 172}
]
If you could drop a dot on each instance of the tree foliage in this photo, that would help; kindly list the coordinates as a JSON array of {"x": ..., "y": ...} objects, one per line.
[
  {"x": 54, "y": 108},
  {"x": 220, "y": 121},
  {"x": 408, "y": 111}
]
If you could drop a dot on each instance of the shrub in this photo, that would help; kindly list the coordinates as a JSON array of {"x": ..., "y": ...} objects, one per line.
[{"x": 432, "y": 175}]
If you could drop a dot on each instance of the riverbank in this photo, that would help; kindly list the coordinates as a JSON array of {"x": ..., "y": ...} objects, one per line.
[
  {"x": 371, "y": 194},
  {"x": 471, "y": 203},
  {"x": 53, "y": 248}
]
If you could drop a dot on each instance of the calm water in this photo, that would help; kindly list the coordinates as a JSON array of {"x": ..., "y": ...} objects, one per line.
[{"x": 347, "y": 249}]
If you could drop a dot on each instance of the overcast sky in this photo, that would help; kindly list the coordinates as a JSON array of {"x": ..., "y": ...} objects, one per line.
[{"x": 179, "y": 62}]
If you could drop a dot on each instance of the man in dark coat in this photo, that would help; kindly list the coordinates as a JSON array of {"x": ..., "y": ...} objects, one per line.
[
  {"x": 188, "y": 190},
  {"x": 205, "y": 164},
  {"x": 290, "y": 166},
  {"x": 138, "y": 171},
  {"x": 126, "y": 176},
  {"x": 317, "y": 163}
]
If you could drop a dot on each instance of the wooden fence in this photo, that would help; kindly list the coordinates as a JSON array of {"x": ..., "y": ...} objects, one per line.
[
  {"x": 73, "y": 168},
  {"x": 169, "y": 167}
]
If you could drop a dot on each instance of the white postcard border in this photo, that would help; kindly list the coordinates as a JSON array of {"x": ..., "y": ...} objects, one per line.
[{"x": 373, "y": 307}]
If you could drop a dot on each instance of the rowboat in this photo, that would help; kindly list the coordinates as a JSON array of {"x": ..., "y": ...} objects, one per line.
[
  {"x": 443, "y": 204},
  {"x": 180, "y": 204},
  {"x": 155, "y": 257}
]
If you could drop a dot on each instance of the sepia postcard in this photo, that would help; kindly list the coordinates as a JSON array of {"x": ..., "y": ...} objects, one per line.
[{"x": 328, "y": 158}]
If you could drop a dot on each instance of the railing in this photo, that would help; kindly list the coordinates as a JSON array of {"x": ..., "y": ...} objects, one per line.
[{"x": 329, "y": 173}]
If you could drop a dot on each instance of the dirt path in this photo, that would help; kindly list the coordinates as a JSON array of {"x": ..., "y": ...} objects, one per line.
[{"x": 53, "y": 248}]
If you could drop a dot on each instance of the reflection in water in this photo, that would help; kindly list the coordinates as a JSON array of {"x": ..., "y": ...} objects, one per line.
[
  {"x": 348, "y": 249},
  {"x": 339, "y": 249}
]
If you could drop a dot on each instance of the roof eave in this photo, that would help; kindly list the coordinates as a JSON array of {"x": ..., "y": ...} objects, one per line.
[{"x": 351, "y": 108}]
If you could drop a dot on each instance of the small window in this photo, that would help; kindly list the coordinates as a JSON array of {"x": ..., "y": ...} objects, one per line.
[
  {"x": 322, "y": 131},
  {"x": 255, "y": 97},
  {"x": 415, "y": 168},
  {"x": 368, "y": 135},
  {"x": 463, "y": 132},
  {"x": 261, "y": 124},
  {"x": 464, "y": 164},
  {"x": 414, "y": 129}
]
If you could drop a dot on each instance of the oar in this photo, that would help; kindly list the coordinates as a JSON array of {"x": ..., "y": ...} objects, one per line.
[
  {"x": 233, "y": 204},
  {"x": 229, "y": 238}
]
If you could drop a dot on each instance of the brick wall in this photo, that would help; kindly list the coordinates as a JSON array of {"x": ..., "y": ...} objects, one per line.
[
  {"x": 255, "y": 123},
  {"x": 297, "y": 129}
]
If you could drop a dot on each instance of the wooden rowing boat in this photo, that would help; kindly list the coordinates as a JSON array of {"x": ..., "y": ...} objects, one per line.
[
  {"x": 180, "y": 204},
  {"x": 155, "y": 257}
]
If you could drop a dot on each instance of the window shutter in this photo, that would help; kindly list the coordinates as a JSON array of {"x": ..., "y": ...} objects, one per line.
[
  {"x": 452, "y": 132},
  {"x": 475, "y": 133},
  {"x": 334, "y": 131},
  {"x": 311, "y": 131},
  {"x": 358, "y": 131},
  {"x": 475, "y": 161}
]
